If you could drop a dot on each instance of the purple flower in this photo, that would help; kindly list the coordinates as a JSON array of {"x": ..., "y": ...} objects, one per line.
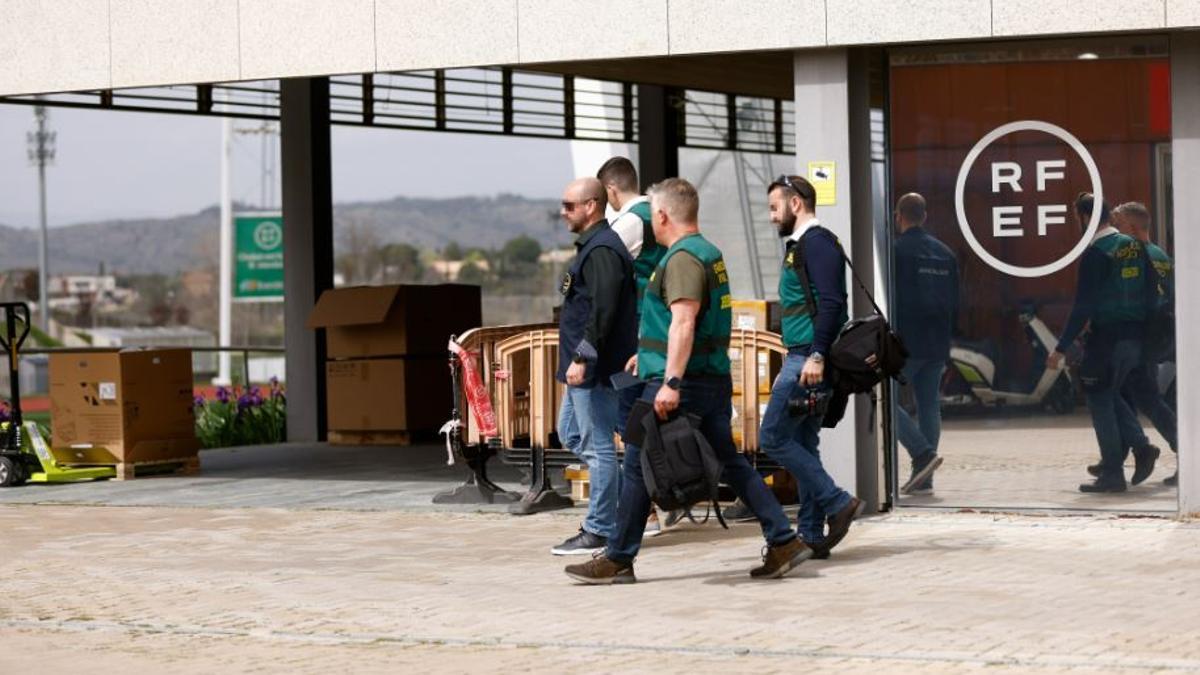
[
  {"x": 224, "y": 395},
  {"x": 198, "y": 401},
  {"x": 5, "y": 412}
]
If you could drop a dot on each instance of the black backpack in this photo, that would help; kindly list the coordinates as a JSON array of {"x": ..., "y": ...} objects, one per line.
[
  {"x": 866, "y": 350},
  {"x": 679, "y": 467}
]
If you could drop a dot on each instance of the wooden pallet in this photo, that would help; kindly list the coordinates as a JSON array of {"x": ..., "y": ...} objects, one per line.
[
  {"x": 402, "y": 438},
  {"x": 185, "y": 466}
]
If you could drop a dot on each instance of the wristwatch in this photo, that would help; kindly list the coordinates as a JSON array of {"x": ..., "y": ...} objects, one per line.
[
  {"x": 673, "y": 383},
  {"x": 817, "y": 357}
]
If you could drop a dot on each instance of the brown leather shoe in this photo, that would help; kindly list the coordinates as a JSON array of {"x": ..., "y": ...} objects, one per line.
[
  {"x": 601, "y": 571},
  {"x": 839, "y": 525},
  {"x": 781, "y": 559}
]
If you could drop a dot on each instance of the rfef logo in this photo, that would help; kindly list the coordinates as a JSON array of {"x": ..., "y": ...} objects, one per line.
[{"x": 1007, "y": 179}]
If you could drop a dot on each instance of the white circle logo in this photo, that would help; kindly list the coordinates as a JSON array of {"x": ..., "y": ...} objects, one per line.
[
  {"x": 268, "y": 235},
  {"x": 1009, "y": 173}
]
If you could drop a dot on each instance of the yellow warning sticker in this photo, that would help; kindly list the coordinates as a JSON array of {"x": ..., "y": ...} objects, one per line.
[{"x": 822, "y": 177}]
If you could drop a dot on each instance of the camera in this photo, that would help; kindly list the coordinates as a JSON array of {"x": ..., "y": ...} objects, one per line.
[{"x": 812, "y": 403}]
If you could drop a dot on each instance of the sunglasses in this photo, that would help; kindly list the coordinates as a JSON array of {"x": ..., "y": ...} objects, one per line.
[
  {"x": 786, "y": 182},
  {"x": 570, "y": 206}
]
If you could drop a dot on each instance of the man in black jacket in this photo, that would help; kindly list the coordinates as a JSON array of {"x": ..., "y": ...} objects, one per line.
[
  {"x": 927, "y": 310},
  {"x": 597, "y": 333}
]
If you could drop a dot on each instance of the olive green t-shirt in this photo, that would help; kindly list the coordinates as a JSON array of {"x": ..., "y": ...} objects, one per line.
[{"x": 685, "y": 279}]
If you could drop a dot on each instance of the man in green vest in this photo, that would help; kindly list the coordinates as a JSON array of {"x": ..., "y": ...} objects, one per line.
[
  {"x": 683, "y": 354},
  {"x": 1141, "y": 391},
  {"x": 632, "y": 221},
  {"x": 1110, "y": 297},
  {"x": 812, "y": 297}
]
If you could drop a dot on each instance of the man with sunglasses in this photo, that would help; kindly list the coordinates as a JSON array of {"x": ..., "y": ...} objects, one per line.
[
  {"x": 813, "y": 263},
  {"x": 597, "y": 334}
]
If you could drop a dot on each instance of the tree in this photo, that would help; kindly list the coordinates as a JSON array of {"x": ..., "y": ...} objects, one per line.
[
  {"x": 472, "y": 274},
  {"x": 522, "y": 250},
  {"x": 31, "y": 286},
  {"x": 401, "y": 262},
  {"x": 359, "y": 261},
  {"x": 452, "y": 251}
]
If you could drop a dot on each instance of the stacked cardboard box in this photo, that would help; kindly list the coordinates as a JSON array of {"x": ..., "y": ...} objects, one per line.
[
  {"x": 135, "y": 403},
  {"x": 387, "y": 376}
]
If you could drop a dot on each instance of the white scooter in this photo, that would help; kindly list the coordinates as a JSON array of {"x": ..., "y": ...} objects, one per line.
[{"x": 974, "y": 363}]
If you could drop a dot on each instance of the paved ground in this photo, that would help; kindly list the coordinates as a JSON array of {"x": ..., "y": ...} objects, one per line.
[
  {"x": 182, "y": 590},
  {"x": 1038, "y": 462},
  {"x": 1004, "y": 463}
]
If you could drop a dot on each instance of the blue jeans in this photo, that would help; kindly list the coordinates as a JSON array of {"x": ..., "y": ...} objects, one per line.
[
  {"x": 586, "y": 424},
  {"x": 1109, "y": 411},
  {"x": 921, "y": 437},
  {"x": 1141, "y": 394},
  {"x": 793, "y": 442},
  {"x": 709, "y": 398}
]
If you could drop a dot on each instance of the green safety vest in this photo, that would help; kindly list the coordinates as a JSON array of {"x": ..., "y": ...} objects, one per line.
[
  {"x": 1123, "y": 294},
  {"x": 710, "y": 348},
  {"x": 651, "y": 253},
  {"x": 797, "y": 308},
  {"x": 1166, "y": 274}
]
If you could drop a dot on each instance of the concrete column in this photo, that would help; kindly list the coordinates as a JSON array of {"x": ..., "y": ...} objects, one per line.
[
  {"x": 1185, "y": 175},
  {"x": 308, "y": 246},
  {"x": 833, "y": 124},
  {"x": 659, "y": 129}
]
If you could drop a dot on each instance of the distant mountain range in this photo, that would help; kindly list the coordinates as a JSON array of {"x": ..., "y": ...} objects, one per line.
[{"x": 170, "y": 245}]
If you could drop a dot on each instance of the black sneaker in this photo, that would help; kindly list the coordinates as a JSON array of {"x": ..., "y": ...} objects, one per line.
[
  {"x": 1103, "y": 485},
  {"x": 1172, "y": 480},
  {"x": 1144, "y": 459},
  {"x": 781, "y": 559},
  {"x": 921, "y": 480},
  {"x": 1096, "y": 470},
  {"x": 673, "y": 517},
  {"x": 600, "y": 571},
  {"x": 584, "y": 543},
  {"x": 738, "y": 512}
]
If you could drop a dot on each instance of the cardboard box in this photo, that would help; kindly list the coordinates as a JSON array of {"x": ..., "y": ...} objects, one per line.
[
  {"x": 409, "y": 394},
  {"x": 769, "y": 364},
  {"x": 750, "y": 314},
  {"x": 737, "y": 420},
  {"x": 370, "y": 321},
  {"x": 135, "y": 403}
]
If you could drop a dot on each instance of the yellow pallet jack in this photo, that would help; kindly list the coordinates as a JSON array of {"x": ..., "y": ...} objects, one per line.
[{"x": 25, "y": 456}]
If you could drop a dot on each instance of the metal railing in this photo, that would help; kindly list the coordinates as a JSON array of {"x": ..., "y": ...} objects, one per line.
[{"x": 491, "y": 100}]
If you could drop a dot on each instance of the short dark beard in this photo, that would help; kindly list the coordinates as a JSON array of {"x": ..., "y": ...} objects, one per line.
[{"x": 787, "y": 226}]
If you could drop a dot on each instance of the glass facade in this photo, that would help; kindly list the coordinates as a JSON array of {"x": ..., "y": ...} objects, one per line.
[{"x": 992, "y": 259}]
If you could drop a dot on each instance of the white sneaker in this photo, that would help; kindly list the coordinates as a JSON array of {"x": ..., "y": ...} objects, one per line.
[{"x": 653, "y": 528}]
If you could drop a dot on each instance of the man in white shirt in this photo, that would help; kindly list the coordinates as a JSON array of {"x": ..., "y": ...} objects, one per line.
[{"x": 632, "y": 225}]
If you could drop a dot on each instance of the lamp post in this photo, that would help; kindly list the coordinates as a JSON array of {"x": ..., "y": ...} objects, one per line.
[{"x": 41, "y": 154}]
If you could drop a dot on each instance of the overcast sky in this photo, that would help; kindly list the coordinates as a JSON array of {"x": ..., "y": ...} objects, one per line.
[{"x": 124, "y": 164}]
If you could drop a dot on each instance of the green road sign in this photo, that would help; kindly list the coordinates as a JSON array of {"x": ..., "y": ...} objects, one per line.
[{"x": 258, "y": 256}]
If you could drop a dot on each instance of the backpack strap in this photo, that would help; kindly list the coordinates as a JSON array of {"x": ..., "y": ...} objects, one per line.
[{"x": 802, "y": 271}]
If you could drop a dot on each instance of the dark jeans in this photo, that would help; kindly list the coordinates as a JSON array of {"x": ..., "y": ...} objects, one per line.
[
  {"x": 1140, "y": 393},
  {"x": 708, "y": 398},
  {"x": 921, "y": 436},
  {"x": 1110, "y": 368},
  {"x": 794, "y": 443}
]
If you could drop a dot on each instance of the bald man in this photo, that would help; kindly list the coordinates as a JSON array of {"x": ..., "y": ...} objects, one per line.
[
  {"x": 927, "y": 310},
  {"x": 597, "y": 334}
]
